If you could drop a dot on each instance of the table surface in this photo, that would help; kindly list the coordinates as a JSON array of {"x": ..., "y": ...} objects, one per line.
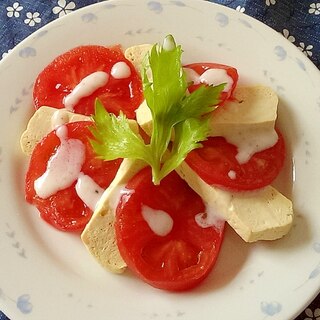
[{"x": 298, "y": 21}]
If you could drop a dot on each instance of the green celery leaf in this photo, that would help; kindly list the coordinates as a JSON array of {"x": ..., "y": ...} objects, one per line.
[
  {"x": 200, "y": 102},
  {"x": 167, "y": 84},
  {"x": 114, "y": 138},
  {"x": 165, "y": 91},
  {"x": 188, "y": 135}
]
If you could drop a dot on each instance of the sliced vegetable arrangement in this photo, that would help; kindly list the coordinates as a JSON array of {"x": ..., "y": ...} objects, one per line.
[
  {"x": 171, "y": 108},
  {"x": 116, "y": 82},
  {"x": 164, "y": 245},
  {"x": 212, "y": 73},
  {"x": 60, "y": 197},
  {"x": 216, "y": 163},
  {"x": 155, "y": 201}
]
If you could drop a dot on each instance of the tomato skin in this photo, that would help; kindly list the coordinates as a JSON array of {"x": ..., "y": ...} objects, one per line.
[
  {"x": 60, "y": 77},
  {"x": 201, "y": 67},
  {"x": 217, "y": 158},
  {"x": 65, "y": 210},
  {"x": 179, "y": 260}
]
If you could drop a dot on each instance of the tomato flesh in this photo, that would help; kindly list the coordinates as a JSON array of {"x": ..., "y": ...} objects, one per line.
[
  {"x": 179, "y": 260},
  {"x": 65, "y": 210},
  {"x": 217, "y": 158},
  {"x": 66, "y": 71},
  {"x": 202, "y": 67}
]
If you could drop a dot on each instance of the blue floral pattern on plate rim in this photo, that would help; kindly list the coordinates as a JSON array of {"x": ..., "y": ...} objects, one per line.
[{"x": 223, "y": 19}]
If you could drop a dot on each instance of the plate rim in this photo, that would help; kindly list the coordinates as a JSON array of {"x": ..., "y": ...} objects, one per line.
[{"x": 10, "y": 56}]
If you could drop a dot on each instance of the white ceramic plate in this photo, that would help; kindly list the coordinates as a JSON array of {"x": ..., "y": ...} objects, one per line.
[{"x": 46, "y": 274}]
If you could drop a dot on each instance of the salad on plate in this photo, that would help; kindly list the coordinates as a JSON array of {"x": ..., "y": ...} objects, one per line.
[{"x": 149, "y": 159}]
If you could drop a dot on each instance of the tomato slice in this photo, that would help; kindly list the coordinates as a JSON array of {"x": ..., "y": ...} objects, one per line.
[
  {"x": 65, "y": 210},
  {"x": 62, "y": 75},
  {"x": 179, "y": 260},
  {"x": 217, "y": 158},
  {"x": 201, "y": 67}
]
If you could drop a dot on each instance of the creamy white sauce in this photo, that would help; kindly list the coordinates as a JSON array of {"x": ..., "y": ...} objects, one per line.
[
  {"x": 88, "y": 191},
  {"x": 210, "y": 218},
  {"x": 191, "y": 76},
  {"x": 212, "y": 77},
  {"x": 59, "y": 117},
  {"x": 120, "y": 70},
  {"x": 86, "y": 87},
  {"x": 64, "y": 166},
  {"x": 117, "y": 193},
  {"x": 232, "y": 174},
  {"x": 115, "y": 196},
  {"x": 215, "y": 77},
  {"x": 159, "y": 221},
  {"x": 249, "y": 142}
]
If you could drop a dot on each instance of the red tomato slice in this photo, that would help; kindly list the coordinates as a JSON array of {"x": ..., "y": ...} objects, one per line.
[
  {"x": 179, "y": 260},
  {"x": 217, "y": 158},
  {"x": 61, "y": 76},
  {"x": 202, "y": 67},
  {"x": 65, "y": 210}
]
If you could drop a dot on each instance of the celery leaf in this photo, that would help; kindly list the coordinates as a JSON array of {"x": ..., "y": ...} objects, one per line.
[
  {"x": 114, "y": 138},
  {"x": 172, "y": 109}
]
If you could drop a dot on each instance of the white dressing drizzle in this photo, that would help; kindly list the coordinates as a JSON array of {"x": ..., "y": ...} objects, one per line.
[
  {"x": 86, "y": 87},
  {"x": 116, "y": 194},
  {"x": 63, "y": 167},
  {"x": 210, "y": 77},
  {"x": 210, "y": 218},
  {"x": 88, "y": 191},
  {"x": 215, "y": 77},
  {"x": 232, "y": 174},
  {"x": 59, "y": 117},
  {"x": 159, "y": 221},
  {"x": 191, "y": 76},
  {"x": 249, "y": 141},
  {"x": 120, "y": 70}
]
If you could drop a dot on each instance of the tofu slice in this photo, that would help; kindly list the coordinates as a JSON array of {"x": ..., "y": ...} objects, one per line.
[
  {"x": 258, "y": 215},
  {"x": 99, "y": 234},
  {"x": 45, "y": 119},
  {"x": 144, "y": 118},
  {"x": 254, "y": 107},
  {"x": 136, "y": 54},
  {"x": 263, "y": 214},
  {"x": 43, "y": 122}
]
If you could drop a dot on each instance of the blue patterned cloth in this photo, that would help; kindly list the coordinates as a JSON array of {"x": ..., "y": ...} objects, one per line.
[{"x": 297, "y": 20}]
